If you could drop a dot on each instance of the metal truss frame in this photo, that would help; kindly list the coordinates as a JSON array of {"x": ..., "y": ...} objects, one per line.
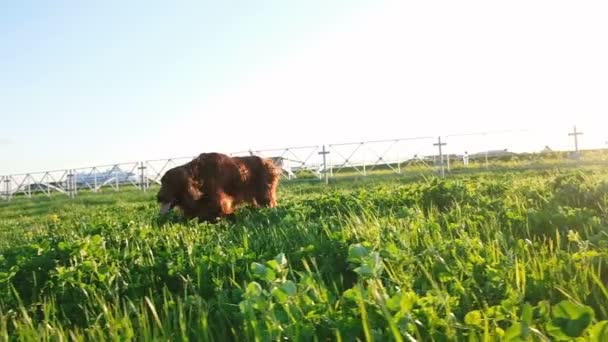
[
  {"x": 28, "y": 184},
  {"x": 379, "y": 158},
  {"x": 159, "y": 171},
  {"x": 94, "y": 178},
  {"x": 301, "y": 156},
  {"x": 296, "y": 163}
]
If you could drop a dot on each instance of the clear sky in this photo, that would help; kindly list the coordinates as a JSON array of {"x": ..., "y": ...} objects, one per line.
[{"x": 83, "y": 83}]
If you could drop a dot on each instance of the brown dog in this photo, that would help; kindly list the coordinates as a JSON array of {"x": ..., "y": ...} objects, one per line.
[{"x": 212, "y": 185}]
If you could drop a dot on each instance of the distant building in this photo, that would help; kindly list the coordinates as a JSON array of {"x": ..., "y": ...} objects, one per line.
[{"x": 113, "y": 175}]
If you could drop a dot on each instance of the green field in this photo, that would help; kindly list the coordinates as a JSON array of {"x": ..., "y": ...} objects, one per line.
[{"x": 498, "y": 255}]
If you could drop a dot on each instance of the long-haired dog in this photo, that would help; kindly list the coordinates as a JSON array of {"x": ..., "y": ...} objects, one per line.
[{"x": 212, "y": 185}]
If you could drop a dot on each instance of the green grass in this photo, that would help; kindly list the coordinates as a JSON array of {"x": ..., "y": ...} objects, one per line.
[{"x": 517, "y": 255}]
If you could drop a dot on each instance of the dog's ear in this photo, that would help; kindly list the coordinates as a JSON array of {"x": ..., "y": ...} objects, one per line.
[
  {"x": 195, "y": 189},
  {"x": 196, "y": 167}
]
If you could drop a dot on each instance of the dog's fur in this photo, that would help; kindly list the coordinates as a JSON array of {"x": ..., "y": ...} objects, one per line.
[{"x": 212, "y": 185}]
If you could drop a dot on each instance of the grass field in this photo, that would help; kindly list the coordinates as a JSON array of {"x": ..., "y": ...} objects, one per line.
[{"x": 510, "y": 256}]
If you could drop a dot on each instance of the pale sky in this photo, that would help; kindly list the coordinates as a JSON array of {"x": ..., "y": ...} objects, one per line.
[{"x": 83, "y": 85}]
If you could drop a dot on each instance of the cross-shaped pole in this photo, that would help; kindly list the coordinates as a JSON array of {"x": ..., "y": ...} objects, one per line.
[
  {"x": 69, "y": 184},
  {"x": 439, "y": 144},
  {"x": 142, "y": 176},
  {"x": 324, "y": 153},
  {"x": 6, "y": 188},
  {"x": 575, "y": 133}
]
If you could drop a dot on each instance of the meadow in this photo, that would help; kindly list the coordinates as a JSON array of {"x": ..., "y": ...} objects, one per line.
[{"x": 495, "y": 255}]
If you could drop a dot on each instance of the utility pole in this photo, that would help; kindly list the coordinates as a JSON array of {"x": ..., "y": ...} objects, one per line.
[
  {"x": 575, "y": 134},
  {"x": 7, "y": 186},
  {"x": 142, "y": 176},
  {"x": 439, "y": 144},
  {"x": 70, "y": 184},
  {"x": 324, "y": 153}
]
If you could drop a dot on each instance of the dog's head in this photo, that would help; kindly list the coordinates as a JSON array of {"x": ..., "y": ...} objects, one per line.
[{"x": 178, "y": 189}]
